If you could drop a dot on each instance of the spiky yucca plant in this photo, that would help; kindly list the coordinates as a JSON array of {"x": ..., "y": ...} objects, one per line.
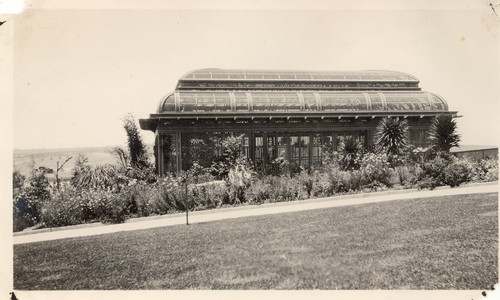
[
  {"x": 350, "y": 150},
  {"x": 391, "y": 135},
  {"x": 443, "y": 133}
]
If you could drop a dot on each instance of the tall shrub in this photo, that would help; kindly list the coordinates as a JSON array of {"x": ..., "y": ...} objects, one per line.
[
  {"x": 443, "y": 133},
  {"x": 28, "y": 200},
  {"x": 137, "y": 148}
]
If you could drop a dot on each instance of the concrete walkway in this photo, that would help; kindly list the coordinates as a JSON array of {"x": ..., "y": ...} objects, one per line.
[{"x": 244, "y": 211}]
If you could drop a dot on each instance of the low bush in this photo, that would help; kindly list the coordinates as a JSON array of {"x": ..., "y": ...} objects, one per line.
[
  {"x": 117, "y": 209},
  {"x": 167, "y": 196},
  {"x": 307, "y": 181},
  {"x": 457, "y": 172},
  {"x": 408, "y": 176},
  {"x": 207, "y": 195},
  {"x": 66, "y": 207},
  {"x": 258, "y": 192},
  {"x": 28, "y": 199},
  {"x": 490, "y": 167},
  {"x": 376, "y": 172},
  {"x": 322, "y": 185},
  {"x": 25, "y": 211},
  {"x": 432, "y": 174},
  {"x": 286, "y": 188}
]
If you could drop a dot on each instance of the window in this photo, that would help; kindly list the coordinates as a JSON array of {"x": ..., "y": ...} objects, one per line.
[
  {"x": 317, "y": 150},
  {"x": 299, "y": 150}
]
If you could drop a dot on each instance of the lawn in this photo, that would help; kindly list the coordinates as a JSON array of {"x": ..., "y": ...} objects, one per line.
[{"x": 431, "y": 243}]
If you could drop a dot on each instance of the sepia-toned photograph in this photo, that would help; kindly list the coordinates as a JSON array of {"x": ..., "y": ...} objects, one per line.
[{"x": 267, "y": 149}]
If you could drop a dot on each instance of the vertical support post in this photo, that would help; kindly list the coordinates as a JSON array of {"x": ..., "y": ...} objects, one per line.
[
  {"x": 186, "y": 201},
  {"x": 311, "y": 137},
  {"x": 288, "y": 147},
  {"x": 369, "y": 139},
  {"x": 160, "y": 155},
  {"x": 265, "y": 154},
  {"x": 251, "y": 144},
  {"x": 178, "y": 152}
]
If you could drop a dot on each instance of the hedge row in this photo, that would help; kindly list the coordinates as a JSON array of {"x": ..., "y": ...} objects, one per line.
[{"x": 71, "y": 205}]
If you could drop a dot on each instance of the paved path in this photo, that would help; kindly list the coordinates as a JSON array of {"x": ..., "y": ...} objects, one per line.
[{"x": 244, "y": 211}]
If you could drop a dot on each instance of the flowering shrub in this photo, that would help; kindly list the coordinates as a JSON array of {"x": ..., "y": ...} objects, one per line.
[
  {"x": 490, "y": 167},
  {"x": 432, "y": 174},
  {"x": 66, "y": 207},
  {"x": 307, "y": 181},
  {"x": 116, "y": 209},
  {"x": 276, "y": 189},
  {"x": 25, "y": 211},
  {"x": 69, "y": 206},
  {"x": 111, "y": 195},
  {"x": 457, "y": 173},
  {"x": 207, "y": 195},
  {"x": 258, "y": 192},
  {"x": 167, "y": 196},
  {"x": 408, "y": 175},
  {"x": 238, "y": 181},
  {"x": 28, "y": 200},
  {"x": 322, "y": 184},
  {"x": 375, "y": 171},
  {"x": 452, "y": 171}
]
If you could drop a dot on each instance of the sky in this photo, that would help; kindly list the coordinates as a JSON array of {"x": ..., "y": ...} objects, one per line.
[{"x": 77, "y": 72}]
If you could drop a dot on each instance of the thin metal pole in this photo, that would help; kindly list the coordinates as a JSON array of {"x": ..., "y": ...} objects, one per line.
[{"x": 186, "y": 202}]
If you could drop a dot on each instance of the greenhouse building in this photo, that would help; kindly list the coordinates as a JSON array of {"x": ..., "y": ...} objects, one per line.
[{"x": 300, "y": 116}]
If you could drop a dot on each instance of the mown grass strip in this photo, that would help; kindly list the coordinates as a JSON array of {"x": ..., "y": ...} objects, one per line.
[{"x": 448, "y": 242}]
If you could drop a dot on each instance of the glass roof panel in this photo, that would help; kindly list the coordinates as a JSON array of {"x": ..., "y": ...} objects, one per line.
[
  {"x": 241, "y": 102},
  {"x": 260, "y": 101},
  {"x": 169, "y": 103},
  {"x": 438, "y": 103},
  {"x": 298, "y": 75},
  {"x": 291, "y": 101},
  {"x": 376, "y": 101},
  {"x": 310, "y": 102},
  {"x": 407, "y": 102},
  {"x": 345, "y": 101}
]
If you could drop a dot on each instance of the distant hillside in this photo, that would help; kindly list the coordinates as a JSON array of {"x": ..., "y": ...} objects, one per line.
[{"x": 26, "y": 159}]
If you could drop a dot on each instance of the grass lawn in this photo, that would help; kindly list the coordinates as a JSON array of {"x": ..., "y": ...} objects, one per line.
[{"x": 431, "y": 243}]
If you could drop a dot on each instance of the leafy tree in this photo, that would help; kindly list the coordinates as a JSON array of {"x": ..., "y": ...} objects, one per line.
[
  {"x": 391, "y": 135},
  {"x": 137, "y": 148},
  {"x": 39, "y": 185},
  {"x": 443, "y": 133}
]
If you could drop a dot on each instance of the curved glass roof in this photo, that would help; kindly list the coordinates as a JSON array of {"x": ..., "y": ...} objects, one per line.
[
  {"x": 274, "y": 75},
  {"x": 207, "y": 102}
]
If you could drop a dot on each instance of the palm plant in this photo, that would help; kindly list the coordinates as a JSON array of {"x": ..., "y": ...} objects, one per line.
[
  {"x": 443, "y": 133},
  {"x": 100, "y": 176},
  {"x": 391, "y": 135},
  {"x": 350, "y": 150}
]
